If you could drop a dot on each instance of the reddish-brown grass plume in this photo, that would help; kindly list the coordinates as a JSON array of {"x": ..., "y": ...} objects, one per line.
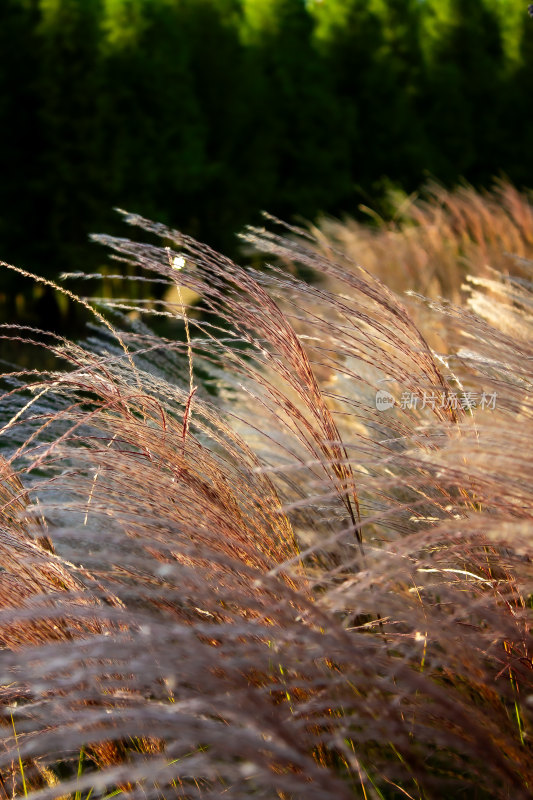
[{"x": 268, "y": 586}]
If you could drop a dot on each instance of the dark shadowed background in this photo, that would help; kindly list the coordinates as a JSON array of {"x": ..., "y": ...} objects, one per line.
[{"x": 200, "y": 113}]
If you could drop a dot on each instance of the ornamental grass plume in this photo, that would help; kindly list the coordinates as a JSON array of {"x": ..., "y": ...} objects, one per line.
[
  {"x": 436, "y": 239},
  {"x": 254, "y": 582}
]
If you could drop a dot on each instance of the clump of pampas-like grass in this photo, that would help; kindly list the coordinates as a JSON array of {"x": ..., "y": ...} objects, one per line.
[
  {"x": 254, "y": 580},
  {"x": 437, "y": 237}
]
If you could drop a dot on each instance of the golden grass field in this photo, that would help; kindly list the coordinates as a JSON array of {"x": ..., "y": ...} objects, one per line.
[{"x": 287, "y": 554}]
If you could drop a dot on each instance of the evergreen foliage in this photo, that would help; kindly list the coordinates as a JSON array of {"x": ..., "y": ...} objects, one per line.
[{"x": 203, "y": 112}]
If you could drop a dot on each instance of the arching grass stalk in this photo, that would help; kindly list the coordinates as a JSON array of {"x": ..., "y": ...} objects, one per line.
[
  {"x": 212, "y": 629},
  {"x": 21, "y": 765}
]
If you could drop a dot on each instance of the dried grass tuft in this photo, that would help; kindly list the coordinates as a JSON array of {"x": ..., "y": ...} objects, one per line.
[
  {"x": 435, "y": 241},
  {"x": 255, "y": 582}
]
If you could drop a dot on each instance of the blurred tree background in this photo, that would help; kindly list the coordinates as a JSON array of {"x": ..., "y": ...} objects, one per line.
[{"x": 200, "y": 113}]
